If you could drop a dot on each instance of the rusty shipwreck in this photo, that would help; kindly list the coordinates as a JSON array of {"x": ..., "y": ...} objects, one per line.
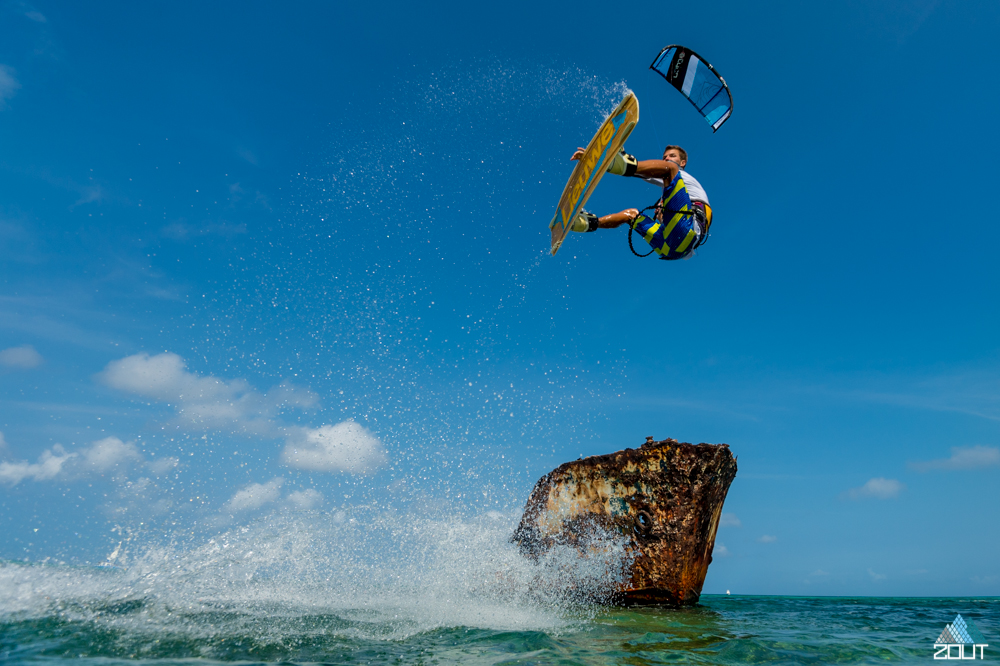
[{"x": 665, "y": 497}]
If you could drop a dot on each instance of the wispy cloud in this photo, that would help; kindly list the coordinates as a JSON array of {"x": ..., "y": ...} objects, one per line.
[
  {"x": 103, "y": 456},
  {"x": 163, "y": 466},
  {"x": 962, "y": 457},
  {"x": 345, "y": 447},
  {"x": 729, "y": 520},
  {"x": 61, "y": 408},
  {"x": 720, "y": 550},
  {"x": 973, "y": 391},
  {"x": 875, "y": 576},
  {"x": 305, "y": 499},
  {"x": 89, "y": 194},
  {"x": 917, "y": 15},
  {"x": 49, "y": 466},
  {"x": 24, "y": 357},
  {"x": 248, "y": 155},
  {"x": 30, "y": 12},
  {"x": 255, "y": 496},
  {"x": 205, "y": 402},
  {"x": 108, "y": 453},
  {"x": 168, "y": 294},
  {"x": 44, "y": 317},
  {"x": 767, "y": 538},
  {"x": 9, "y": 85},
  {"x": 877, "y": 488},
  {"x": 17, "y": 242},
  {"x": 985, "y": 580}
]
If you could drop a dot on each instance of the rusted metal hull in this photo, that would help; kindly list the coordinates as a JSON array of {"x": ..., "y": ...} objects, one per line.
[{"x": 665, "y": 497}]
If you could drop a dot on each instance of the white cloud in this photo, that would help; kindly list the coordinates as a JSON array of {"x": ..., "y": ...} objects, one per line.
[
  {"x": 165, "y": 377},
  {"x": 162, "y": 466},
  {"x": 720, "y": 550},
  {"x": 9, "y": 84},
  {"x": 205, "y": 402},
  {"x": 49, "y": 465},
  {"x": 24, "y": 356},
  {"x": 877, "y": 488},
  {"x": 36, "y": 16},
  {"x": 255, "y": 495},
  {"x": 820, "y": 572},
  {"x": 729, "y": 520},
  {"x": 962, "y": 457},
  {"x": 876, "y": 576},
  {"x": 305, "y": 499},
  {"x": 767, "y": 538},
  {"x": 100, "y": 457},
  {"x": 3, "y": 446},
  {"x": 110, "y": 452},
  {"x": 345, "y": 447}
]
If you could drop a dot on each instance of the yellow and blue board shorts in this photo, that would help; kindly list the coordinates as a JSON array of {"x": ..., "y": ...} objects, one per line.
[{"x": 680, "y": 228}]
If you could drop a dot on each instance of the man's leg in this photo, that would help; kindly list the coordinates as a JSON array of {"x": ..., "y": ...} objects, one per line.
[
  {"x": 586, "y": 221},
  {"x": 589, "y": 222},
  {"x": 616, "y": 220}
]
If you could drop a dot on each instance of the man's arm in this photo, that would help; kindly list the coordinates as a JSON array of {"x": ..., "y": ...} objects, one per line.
[
  {"x": 646, "y": 168},
  {"x": 657, "y": 169}
]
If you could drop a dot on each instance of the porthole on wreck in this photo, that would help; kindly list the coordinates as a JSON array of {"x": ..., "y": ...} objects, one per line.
[{"x": 643, "y": 523}]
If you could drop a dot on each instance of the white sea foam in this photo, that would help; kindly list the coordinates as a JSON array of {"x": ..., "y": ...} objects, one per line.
[{"x": 369, "y": 573}]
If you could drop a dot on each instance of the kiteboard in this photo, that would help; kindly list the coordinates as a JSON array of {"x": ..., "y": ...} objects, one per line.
[{"x": 596, "y": 159}]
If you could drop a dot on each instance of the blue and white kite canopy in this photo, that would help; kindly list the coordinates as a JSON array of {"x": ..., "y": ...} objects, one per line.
[{"x": 698, "y": 81}]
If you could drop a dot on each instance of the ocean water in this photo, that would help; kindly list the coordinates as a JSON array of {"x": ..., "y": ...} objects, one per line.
[{"x": 365, "y": 587}]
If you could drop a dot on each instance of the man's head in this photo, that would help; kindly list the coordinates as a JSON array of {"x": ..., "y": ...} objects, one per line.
[{"x": 675, "y": 154}]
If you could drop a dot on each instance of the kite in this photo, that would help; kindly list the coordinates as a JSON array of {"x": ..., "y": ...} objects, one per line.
[{"x": 697, "y": 80}]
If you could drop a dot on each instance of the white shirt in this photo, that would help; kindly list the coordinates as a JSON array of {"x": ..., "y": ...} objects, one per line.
[{"x": 691, "y": 184}]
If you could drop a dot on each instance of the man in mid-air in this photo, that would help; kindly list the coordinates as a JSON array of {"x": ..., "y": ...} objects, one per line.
[{"x": 683, "y": 216}]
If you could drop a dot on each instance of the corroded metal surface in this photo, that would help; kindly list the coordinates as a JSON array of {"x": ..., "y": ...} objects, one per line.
[{"x": 665, "y": 497}]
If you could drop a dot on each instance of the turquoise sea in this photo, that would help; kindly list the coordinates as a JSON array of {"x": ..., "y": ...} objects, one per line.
[
  {"x": 721, "y": 630},
  {"x": 449, "y": 592}
]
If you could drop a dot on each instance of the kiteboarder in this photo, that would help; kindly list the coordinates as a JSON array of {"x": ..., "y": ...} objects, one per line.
[{"x": 680, "y": 219}]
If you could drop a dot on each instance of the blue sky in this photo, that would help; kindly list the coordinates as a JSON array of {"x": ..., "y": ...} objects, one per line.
[{"x": 231, "y": 233}]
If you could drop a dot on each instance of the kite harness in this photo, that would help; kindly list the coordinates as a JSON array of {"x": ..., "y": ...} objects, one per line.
[
  {"x": 702, "y": 214},
  {"x": 677, "y": 238}
]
